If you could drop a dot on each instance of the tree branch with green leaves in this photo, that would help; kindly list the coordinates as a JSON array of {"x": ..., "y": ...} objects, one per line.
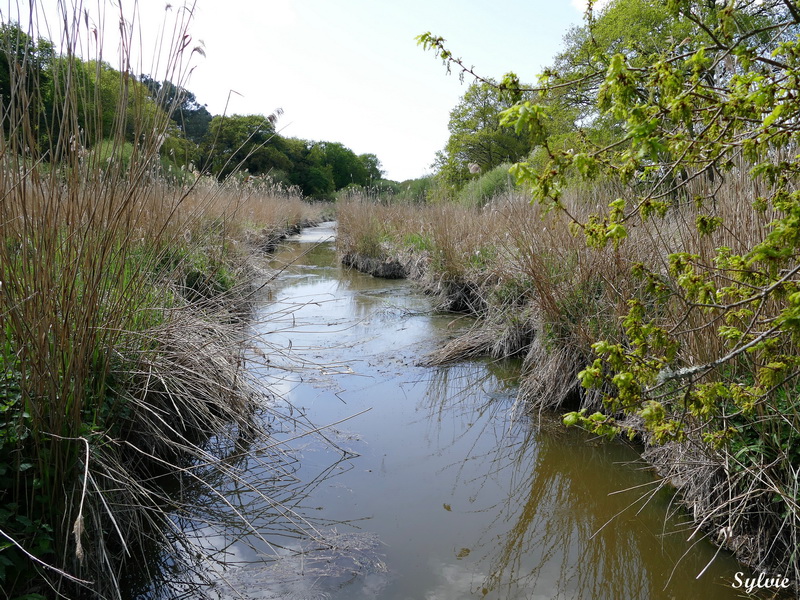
[{"x": 670, "y": 99}]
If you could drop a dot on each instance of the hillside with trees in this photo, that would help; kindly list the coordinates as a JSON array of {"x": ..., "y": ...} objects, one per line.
[{"x": 215, "y": 145}]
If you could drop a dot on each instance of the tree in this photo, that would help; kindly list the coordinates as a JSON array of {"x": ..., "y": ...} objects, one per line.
[
  {"x": 242, "y": 142},
  {"x": 721, "y": 99},
  {"x": 189, "y": 115},
  {"x": 312, "y": 177},
  {"x": 476, "y": 135},
  {"x": 249, "y": 142},
  {"x": 346, "y": 168},
  {"x": 315, "y": 181},
  {"x": 372, "y": 166},
  {"x": 636, "y": 29},
  {"x": 26, "y": 86},
  {"x": 109, "y": 103}
]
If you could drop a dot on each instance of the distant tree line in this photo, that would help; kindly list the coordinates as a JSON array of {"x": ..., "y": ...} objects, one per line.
[
  {"x": 216, "y": 145},
  {"x": 225, "y": 144}
]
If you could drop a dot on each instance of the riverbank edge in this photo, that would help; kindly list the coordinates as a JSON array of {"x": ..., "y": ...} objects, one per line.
[
  {"x": 218, "y": 323},
  {"x": 553, "y": 371},
  {"x": 181, "y": 384}
]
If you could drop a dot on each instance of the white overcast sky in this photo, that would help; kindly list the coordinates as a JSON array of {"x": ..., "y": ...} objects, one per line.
[{"x": 346, "y": 71}]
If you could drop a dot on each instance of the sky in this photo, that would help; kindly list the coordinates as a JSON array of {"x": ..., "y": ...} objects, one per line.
[{"x": 345, "y": 71}]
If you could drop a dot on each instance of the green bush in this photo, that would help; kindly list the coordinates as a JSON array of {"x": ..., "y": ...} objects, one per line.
[
  {"x": 417, "y": 191},
  {"x": 418, "y": 241},
  {"x": 492, "y": 183}
]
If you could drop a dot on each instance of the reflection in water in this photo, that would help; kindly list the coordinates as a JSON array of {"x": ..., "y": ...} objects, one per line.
[
  {"x": 563, "y": 529},
  {"x": 431, "y": 483},
  {"x": 247, "y": 505},
  {"x": 258, "y": 530},
  {"x": 308, "y": 569}
]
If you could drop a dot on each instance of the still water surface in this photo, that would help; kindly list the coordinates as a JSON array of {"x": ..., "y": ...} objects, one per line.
[{"x": 431, "y": 484}]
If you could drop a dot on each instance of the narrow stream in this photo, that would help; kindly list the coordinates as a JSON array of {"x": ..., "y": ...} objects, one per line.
[{"x": 430, "y": 484}]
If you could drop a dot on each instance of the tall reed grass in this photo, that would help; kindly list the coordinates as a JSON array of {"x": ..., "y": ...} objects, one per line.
[
  {"x": 114, "y": 367},
  {"x": 544, "y": 295}
]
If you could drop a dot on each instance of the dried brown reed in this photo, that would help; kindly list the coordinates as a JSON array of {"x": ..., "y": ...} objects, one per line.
[
  {"x": 111, "y": 374},
  {"x": 542, "y": 293}
]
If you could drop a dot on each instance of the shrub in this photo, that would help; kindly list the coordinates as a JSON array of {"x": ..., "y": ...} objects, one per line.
[{"x": 489, "y": 185}]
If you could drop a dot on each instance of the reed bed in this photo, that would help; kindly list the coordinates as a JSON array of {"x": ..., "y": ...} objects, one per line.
[
  {"x": 120, "y": 358},
  {"x": 545, "y": 296}
]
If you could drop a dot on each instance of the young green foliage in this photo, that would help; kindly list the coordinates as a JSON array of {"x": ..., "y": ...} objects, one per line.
[{"x": 692, "y": 93}]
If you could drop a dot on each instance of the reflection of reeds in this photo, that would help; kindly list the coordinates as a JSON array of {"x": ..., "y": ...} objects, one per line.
[
  {"x": 237, "y": 513},
  {"x": 542, "y": 294},
  {"x": 560, "y": 527}
]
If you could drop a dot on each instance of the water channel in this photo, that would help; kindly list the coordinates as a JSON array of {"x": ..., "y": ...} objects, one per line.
[{"x": 431, "y": 484}]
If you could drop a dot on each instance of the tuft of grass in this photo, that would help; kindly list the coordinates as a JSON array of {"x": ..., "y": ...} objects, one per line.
[{"x": 489, "y": 186}]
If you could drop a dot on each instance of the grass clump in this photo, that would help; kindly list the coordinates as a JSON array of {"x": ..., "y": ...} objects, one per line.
[{"x": 487, "y": 187}]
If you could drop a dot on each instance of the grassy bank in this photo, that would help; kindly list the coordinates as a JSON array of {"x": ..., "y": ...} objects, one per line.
[
  {"x": 122, "y": 279},
  {"x": 542, "y": 294},
  {"x": 121, "y": 356}
]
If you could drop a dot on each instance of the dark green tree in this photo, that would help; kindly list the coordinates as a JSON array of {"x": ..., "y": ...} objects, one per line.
[
  {"x": 189, "y": 115},
  {"x": 241, "y": 142},
  {"x": 476, "y": 135},
  {"x": 346, "y": 168},
  {"x": 307, "y": 172},
  {"x": 249, "y": 142},
  {"x": 315, "y": 181},
  {"x": 373, "y": 167}
]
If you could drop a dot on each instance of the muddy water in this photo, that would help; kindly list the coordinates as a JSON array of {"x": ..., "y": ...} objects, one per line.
[{"x": 431, "y": 484}]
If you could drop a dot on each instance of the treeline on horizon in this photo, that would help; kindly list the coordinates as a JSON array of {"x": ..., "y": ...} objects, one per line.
[{"x": 196, "y": 141}]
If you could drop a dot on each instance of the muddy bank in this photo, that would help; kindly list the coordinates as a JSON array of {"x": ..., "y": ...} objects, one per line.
[
  {"x": 386, "y": 268},
  {"x": 266, "y": 240},
  {"x": 459, "y": 295}
]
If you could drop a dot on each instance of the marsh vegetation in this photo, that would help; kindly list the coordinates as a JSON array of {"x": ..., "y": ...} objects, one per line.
[
  {"x": 651, "y": 288},
  {"x": 124, "y": 281}
]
